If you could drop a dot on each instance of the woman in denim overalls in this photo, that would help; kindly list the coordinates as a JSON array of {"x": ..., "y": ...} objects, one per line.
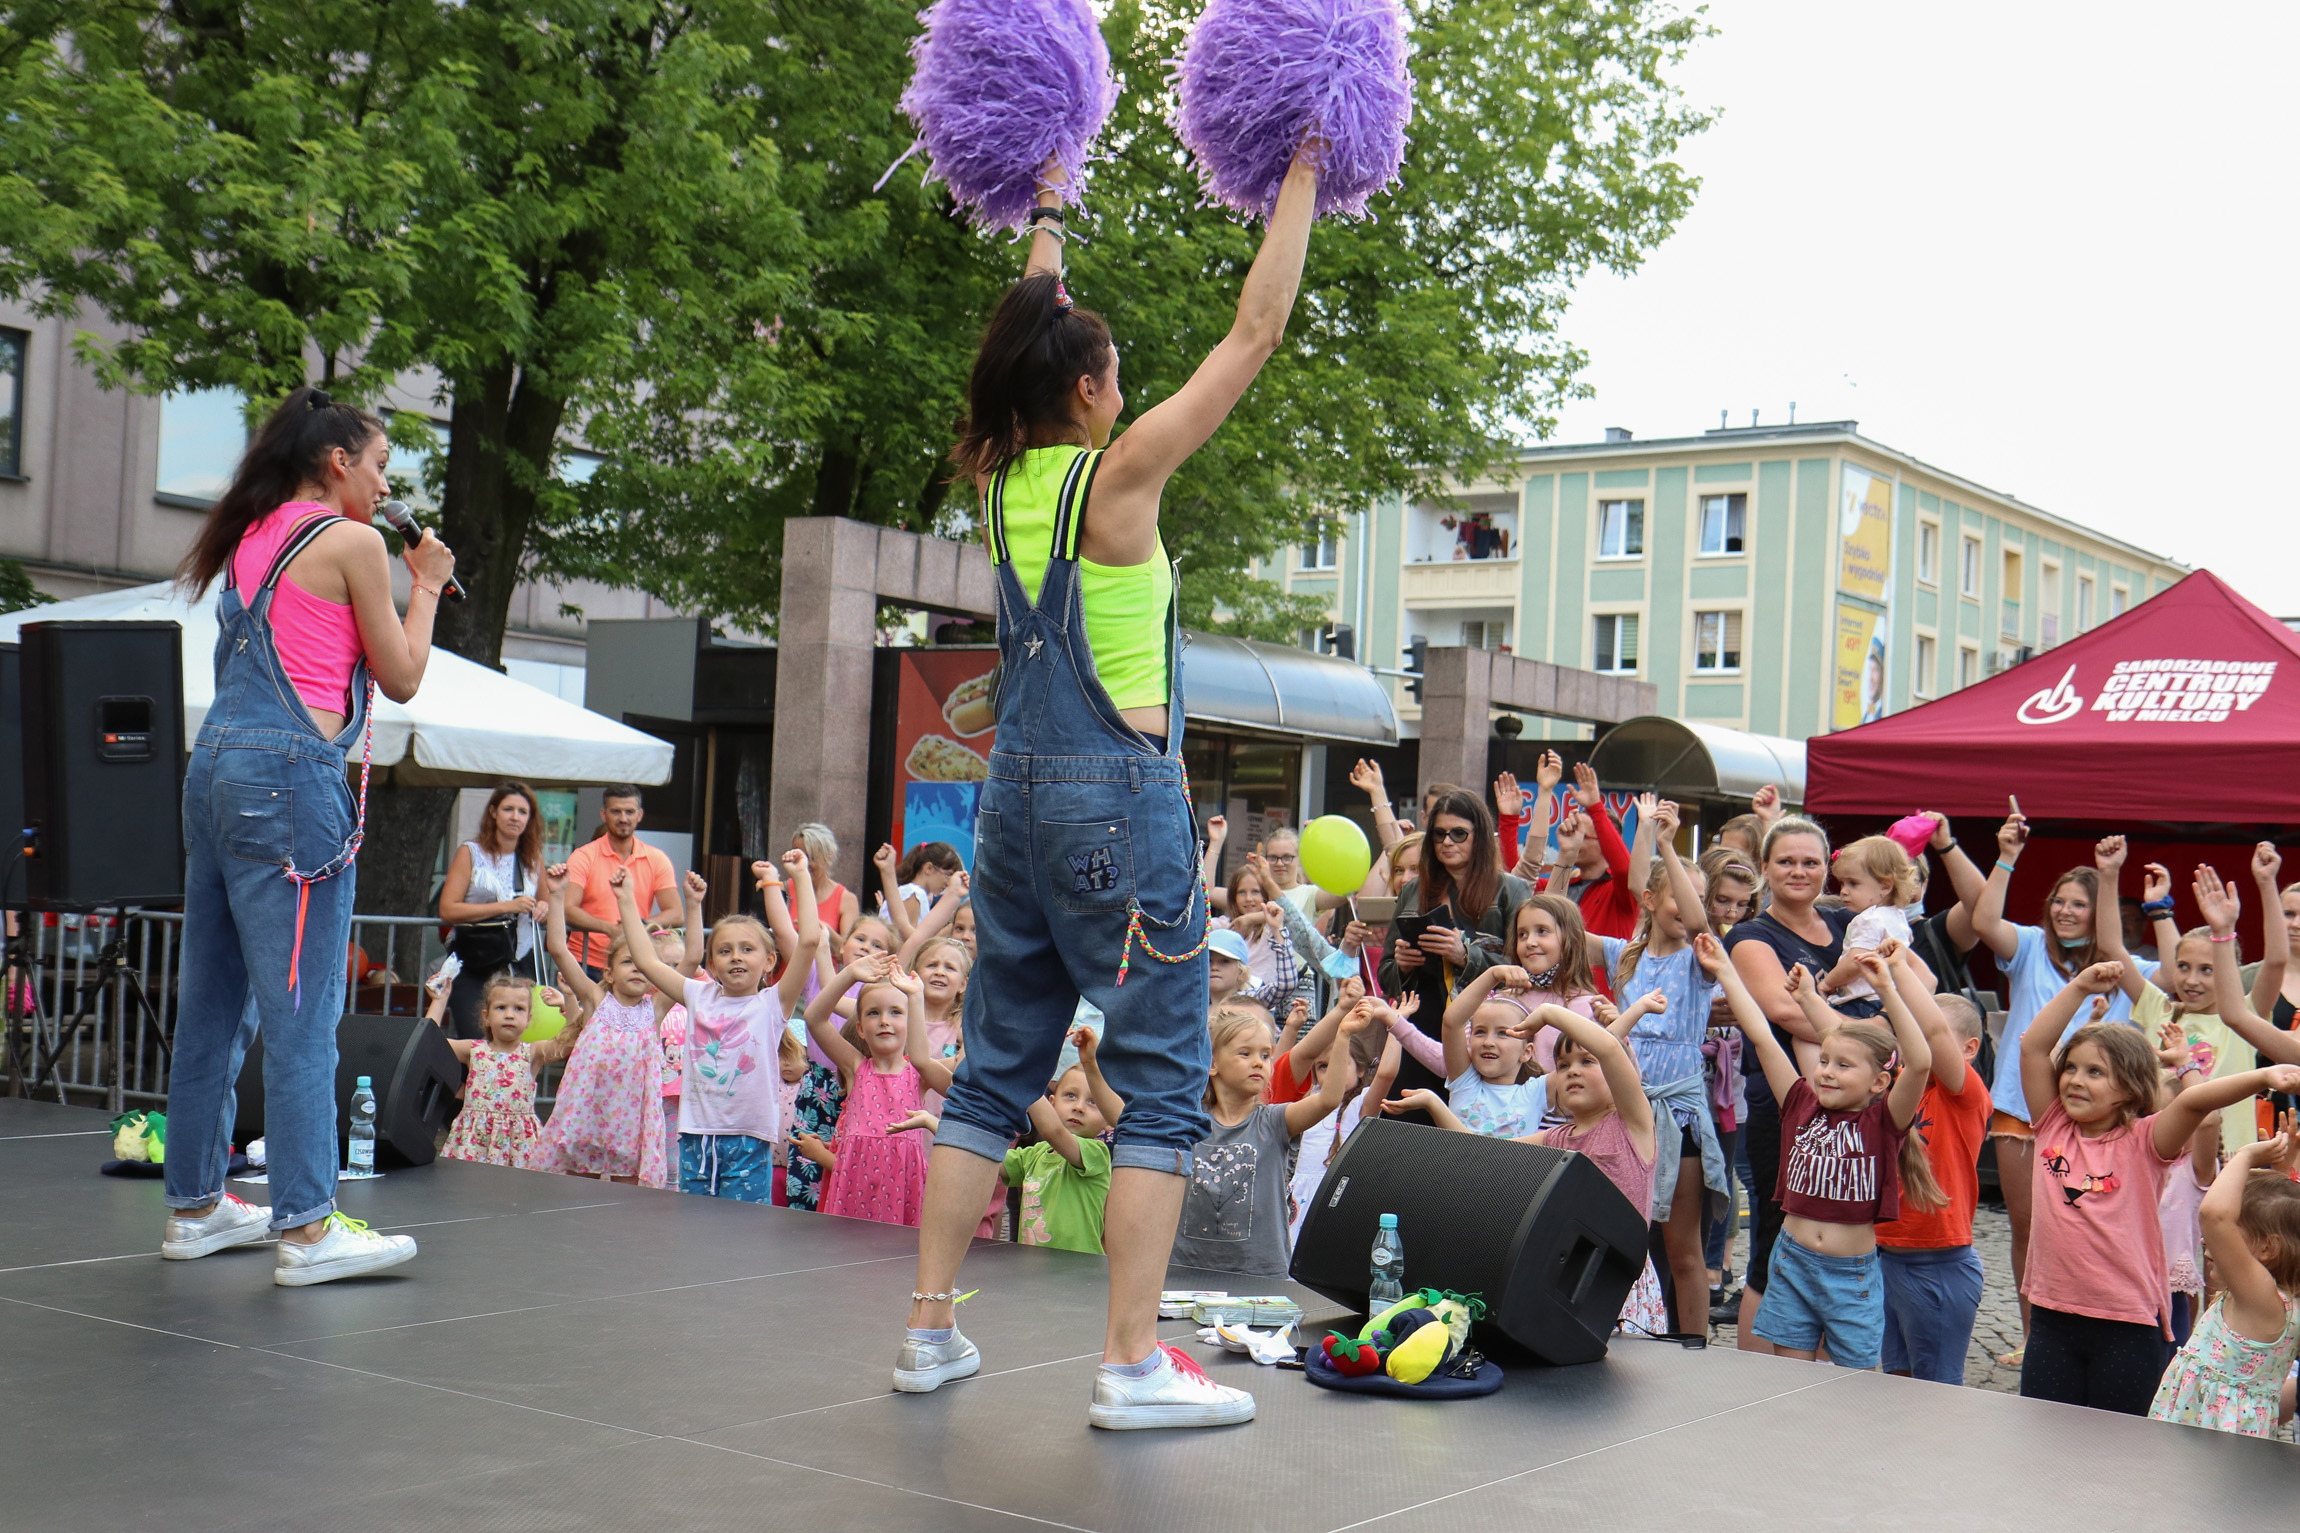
[
  {"x": 271, "y": 828},
  {"x": 1086, "y": 855}
]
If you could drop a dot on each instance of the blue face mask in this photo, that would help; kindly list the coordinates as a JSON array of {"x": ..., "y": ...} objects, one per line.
[{"x": 2072, "y": 943}]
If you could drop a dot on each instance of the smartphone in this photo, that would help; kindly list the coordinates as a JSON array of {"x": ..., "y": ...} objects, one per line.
[
  {"x": 2014, "y": 800},
  {"x": 1373, "y": 909}
]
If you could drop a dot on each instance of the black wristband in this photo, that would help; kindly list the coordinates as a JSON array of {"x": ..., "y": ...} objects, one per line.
[{"x": 1045, "y": 216}]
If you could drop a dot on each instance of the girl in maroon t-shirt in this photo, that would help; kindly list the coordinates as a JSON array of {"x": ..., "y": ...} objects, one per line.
[{"x": 1847, "y": 1159}]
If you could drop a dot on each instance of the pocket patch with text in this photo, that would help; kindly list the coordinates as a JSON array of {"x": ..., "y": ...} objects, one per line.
[{"x": 1093, "y": 872}]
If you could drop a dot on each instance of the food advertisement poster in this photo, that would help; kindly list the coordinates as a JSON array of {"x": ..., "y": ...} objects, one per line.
[{"x": 943, "y": 726}]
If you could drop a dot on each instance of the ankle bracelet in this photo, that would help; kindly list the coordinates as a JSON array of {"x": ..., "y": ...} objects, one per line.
[{"x": 953, "y": 1297}]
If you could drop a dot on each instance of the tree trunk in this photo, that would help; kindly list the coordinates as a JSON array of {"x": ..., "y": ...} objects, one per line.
[
  {"x": 396, "y": 861},
  {"x": 838, "y": 476},
  {"x": 502, "y": 434}
]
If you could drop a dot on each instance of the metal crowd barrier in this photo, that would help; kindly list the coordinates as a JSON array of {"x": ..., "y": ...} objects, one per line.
[{"x": 90, "y": 1025}]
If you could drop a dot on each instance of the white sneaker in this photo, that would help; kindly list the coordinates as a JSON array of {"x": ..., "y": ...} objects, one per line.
[
  {"x": 925, "y": 1366},
  {"x": 1176, "y": 1393},
  {"x": 346, "y": 1248},
  {"x": 230, "y": 1223}
]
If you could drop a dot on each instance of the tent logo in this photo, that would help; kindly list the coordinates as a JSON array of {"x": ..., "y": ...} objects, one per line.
[{"x": 2054, "y": 704}]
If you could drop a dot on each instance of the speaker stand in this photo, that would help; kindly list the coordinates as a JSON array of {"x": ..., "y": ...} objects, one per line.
[
  {"x": 24, "y": 1027},
  {"x": 110, "y": 967}
]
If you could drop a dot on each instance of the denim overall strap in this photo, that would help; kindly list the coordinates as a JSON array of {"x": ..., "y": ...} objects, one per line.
[{"x": 360, "y": 702}]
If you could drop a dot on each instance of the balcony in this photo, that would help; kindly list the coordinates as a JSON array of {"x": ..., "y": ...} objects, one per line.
[{"x": 1462, "y": 583}]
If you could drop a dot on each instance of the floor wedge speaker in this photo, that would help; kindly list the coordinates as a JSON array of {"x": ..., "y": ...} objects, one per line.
[
  {"x": 414, "y": 1073},
  {"x": 1542, "y": 1235}
]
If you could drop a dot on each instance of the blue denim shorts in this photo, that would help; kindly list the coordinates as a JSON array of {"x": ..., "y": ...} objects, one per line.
[
  {"x": 1811, "y": 1299},
  {"x": 1931, "y": 1297}
]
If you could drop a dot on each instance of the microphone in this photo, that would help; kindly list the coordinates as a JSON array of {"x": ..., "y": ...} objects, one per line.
[{"x": 402, "y": 522}]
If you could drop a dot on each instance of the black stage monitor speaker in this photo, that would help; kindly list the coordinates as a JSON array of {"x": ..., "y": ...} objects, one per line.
[
  {"x": 1550, "y": 1243},
  {"x": 407, "y": 1060},
  {"x": 103, "y": 721}
]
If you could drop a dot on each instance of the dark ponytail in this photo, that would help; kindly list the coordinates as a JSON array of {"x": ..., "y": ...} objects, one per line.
[
  {"x": 287, "y": 454},
  {"x": 1033, "y": 352}
]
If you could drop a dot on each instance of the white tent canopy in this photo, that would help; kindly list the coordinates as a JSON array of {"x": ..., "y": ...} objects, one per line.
[{"x": 467, "y": 724}]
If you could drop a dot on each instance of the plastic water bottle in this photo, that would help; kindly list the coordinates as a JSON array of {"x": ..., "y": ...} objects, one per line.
[
  {"x": 359, "y": 1148},
  {"x": 1389, "y": 1283}
]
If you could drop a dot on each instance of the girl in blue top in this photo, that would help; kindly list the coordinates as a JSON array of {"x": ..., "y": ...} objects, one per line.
[{"x": 2037, "y": 962}]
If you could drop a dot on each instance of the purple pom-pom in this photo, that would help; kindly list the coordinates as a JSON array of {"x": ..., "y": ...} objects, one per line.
[
  {"x": 1001, "y": 86},
  {"x": 1258, "y": 76}
]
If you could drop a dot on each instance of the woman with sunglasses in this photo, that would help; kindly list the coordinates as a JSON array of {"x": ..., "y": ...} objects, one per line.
[{"x": 1461, "y": 870}]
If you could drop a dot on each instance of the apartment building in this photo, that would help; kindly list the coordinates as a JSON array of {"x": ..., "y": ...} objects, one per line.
[{"x": 1787, "y": 580}]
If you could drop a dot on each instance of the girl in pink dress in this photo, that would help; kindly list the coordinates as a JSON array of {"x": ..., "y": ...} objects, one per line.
[
  {"x": 496, "y": 1125},
  {"x": 876, "y": 1161},
  {"x": 608, "y": 1122}
]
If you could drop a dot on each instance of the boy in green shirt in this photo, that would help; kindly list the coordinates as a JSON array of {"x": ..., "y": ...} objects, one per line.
[{"x": 1065, "y": 1177}]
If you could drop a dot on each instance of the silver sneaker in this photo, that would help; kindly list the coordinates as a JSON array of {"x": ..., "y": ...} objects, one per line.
[
  {"x": 925, "y": 1366},
  {"x": 1176, "y": 1393},
  {"x": 230, "y": 1223},
  {"x": 346, "y": 1248}
]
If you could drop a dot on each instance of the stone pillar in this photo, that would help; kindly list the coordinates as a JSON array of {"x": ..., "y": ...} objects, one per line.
[
  {"x": 825, "y": 638},
  {"x": 1457, "y": 698}
]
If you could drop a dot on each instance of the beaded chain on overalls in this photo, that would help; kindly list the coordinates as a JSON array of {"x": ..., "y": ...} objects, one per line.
[
  {"x": 1134, "y": 931},
  {"x": 342, "y": 859}
]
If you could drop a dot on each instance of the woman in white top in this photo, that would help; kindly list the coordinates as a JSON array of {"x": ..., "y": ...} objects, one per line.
[{"x": 493, "y": 897}]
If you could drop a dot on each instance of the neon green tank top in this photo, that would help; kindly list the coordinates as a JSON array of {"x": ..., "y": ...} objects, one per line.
[{"x": 1126, "y": 606}]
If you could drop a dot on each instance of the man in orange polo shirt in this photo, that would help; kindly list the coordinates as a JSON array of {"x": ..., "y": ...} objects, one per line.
[{"x": 591, "y": 903}]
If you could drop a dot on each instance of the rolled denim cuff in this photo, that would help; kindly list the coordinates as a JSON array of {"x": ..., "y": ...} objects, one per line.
[
  {"x": 973, "y": 1139},
  {"x": 201, "y": 1201},
  {"x": 1174, "y": 1160},
  {"x": 282, "y": 1221}
]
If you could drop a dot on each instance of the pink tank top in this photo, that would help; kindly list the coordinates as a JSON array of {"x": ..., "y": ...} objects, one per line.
[{"x": 318, "y": 640}]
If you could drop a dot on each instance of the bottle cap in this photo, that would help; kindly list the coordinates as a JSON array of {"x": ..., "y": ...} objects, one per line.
[
  {"x": 364, "y": 1084},
  {"x": 1389, "y": 1221}
]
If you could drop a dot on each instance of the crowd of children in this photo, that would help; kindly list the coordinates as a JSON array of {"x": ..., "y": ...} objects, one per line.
[{"x": 1667, "y": 1019}]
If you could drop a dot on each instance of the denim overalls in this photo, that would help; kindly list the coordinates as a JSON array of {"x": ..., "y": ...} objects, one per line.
[
  {"x": 1085, "y": 883},
  {"x": 265, "y": 792}
]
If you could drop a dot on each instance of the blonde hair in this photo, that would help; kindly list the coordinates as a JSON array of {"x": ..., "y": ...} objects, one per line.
[
  {"x": 1727, "y": 862},
  {"x": 1223, "y": 1028},
  {"x": 1884, "y": 860},
  {"x": 937, "y": 944},
  {"x": 819, "y": 842},
  {"x": 1656, "y": 882},
  {"x": 504, "y": 979},
  {"x": 1919, "y": 1187},
  {"x": 1395, "y": 857},
  {"x": 1963, "y": 1015}
]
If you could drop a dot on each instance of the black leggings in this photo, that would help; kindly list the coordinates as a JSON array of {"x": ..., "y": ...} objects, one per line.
[
  {"x": 1764, "y": 1142},
  {"x": 2110, "y": 1365}
]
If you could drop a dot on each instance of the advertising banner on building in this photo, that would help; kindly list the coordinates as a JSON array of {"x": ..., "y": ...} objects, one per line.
[
  {"x": 942, "y": 735},
  {"x": 1864, "y": 598}
]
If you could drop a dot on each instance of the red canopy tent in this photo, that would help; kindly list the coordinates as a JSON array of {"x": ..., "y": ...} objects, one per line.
[{"x": 2184, "y": 710}]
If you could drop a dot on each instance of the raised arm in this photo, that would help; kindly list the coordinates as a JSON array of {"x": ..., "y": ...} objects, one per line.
[
  {"x": 2255, "y": 1306},
  {"x": 822, "y": 1012},
  {"x": 1571, "y": 832},
  {"x": 1989, "y": 923},
  {"x": 1508, "y": 814},
  {"x": 1964, "y": 879},
  {"x": 1054, "y": 1131},
  {"x": 886, "y": 859},
  {"x": 1692, "y": 909},
  {"x": 1303, "y": 1056},
  {"x": 1751, "y": 1018},
  {"x": 1106, "y": 1100},
  {"x": 1210, "y": 861},
  {"x": 938, "y": 917},
  {"x": 2039, "y": 1081},
  {"x": 1641, "y": 842},
  {"x": 397, "y": 649},
  {"x": 2275, "y": 941},
  {"x": 659, "y": 974},
  {"x": 695, "y": 933},
  {"x": 2180, "y": 1118},
  {"x": 1455, "y": 1023},
  {"x": 1946, "y": 1049},
  {"x": 1619, "y": 1065},
  {"x": 1336, "y": 1084},
  {"x": 1366, "y": 776},
  {"x": 1122, "y": 524},
  {"x": 2108, "y": 854},
  {"x": 555, "y": 939},
  {"x": 1592, "y": 800},
  {"x": 799, "y": 918},
  {"x": 2221, "y": 910},
  {"x": 932, "y": 1072},
  {"x": 1908, "y": 1090}
]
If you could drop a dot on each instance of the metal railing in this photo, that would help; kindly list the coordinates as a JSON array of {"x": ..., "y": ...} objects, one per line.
[{"x": 91, "y": 1025}]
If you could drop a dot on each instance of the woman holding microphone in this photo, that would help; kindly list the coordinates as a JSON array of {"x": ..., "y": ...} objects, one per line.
[{"x": 271, "y": 828}]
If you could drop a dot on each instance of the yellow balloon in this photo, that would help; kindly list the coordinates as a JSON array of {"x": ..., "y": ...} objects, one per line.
[
  {"x": 1335, "y": 854},
  {"x": 543, "y": 1021}
]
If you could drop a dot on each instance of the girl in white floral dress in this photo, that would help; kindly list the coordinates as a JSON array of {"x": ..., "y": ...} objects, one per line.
[{"x": 2229, "y": 1375}]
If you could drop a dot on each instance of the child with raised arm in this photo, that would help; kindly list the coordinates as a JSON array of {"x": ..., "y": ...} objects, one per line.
[
  {"x": 2231, "y": 1372},
  {"x": 729, "y": 1107},
  {"x": 608, "y": 1120},
  {"x": 876, "y": 1162},
  {"x": 1065, "y": 1176},
  {"x": 496, "y": 1125},
  {"x": 2099, "y": 1302},
  {"x": 1847, "y": 1162}
]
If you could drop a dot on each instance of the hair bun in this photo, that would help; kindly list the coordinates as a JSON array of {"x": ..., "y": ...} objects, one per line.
[{"x": 318, "y": 399}]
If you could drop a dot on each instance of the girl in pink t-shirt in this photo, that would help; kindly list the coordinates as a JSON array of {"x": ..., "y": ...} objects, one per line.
[{"x": 2100, "y": 1307}]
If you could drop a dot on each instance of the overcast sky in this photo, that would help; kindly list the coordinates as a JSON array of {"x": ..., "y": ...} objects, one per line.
[{"x": 2046, "y": 247}]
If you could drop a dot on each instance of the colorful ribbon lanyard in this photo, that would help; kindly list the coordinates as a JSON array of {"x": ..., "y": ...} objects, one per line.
[{"x": 342, "y": 859}]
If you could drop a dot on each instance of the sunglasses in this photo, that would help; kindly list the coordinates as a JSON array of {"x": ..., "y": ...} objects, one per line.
[{"x": 1451, "y": 833}]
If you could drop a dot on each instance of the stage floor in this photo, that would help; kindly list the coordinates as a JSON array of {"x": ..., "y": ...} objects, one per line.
[{"x": 568, "y": 1355}]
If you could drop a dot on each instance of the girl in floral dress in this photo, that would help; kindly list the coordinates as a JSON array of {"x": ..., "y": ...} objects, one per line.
[
  {"x": 2229, "y": 1375},
  {"x": 497, "y": 1124},
  {"x": 608, "y": 1122}
]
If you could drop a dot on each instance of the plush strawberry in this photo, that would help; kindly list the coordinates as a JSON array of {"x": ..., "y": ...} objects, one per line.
[{"x": 1351, "y": 1357}]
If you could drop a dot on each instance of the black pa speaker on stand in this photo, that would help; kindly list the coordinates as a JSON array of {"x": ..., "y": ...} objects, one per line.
[
  {"x": 1541, "y": 1234},
  {"x": 103, "y": 775},
  {"x": 406, "y": 1059}
]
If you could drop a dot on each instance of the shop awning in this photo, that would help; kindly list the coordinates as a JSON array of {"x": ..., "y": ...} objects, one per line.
[
  {"x": 1697, "y": 763},
  {"x": 1276, "y": 689}
]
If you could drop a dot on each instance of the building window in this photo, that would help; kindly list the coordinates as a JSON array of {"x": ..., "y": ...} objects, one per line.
[
  {"x": 2048, "y": 607},
  {"x": 1717, "y": 642},
  {"x": 202, "y": 434},
  {"x": 576, "y": 466},
  {"x": 2012, "y": 590},
  {"x": 1322, "y": 552},
  {"x": 2116, "y": 601},
  {"x": 1968, "y": 666},
  {"x": 1928, "y": 655},
  {"x": 1929, "y": 552},
  {"x": 1724, "y": 519},
  {"x": 1491, "y": 634},
  {"x": 1621, "y": 529},
  {"x": 12, "y": 347},
  {"x": 1969, "y": 570},
  {"x": 2083, "y": 603},
  {"x": 1617, "y": 642}
]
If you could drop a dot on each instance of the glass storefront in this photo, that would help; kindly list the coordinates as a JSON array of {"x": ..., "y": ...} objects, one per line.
[{"x": 1255, "y": 784}]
